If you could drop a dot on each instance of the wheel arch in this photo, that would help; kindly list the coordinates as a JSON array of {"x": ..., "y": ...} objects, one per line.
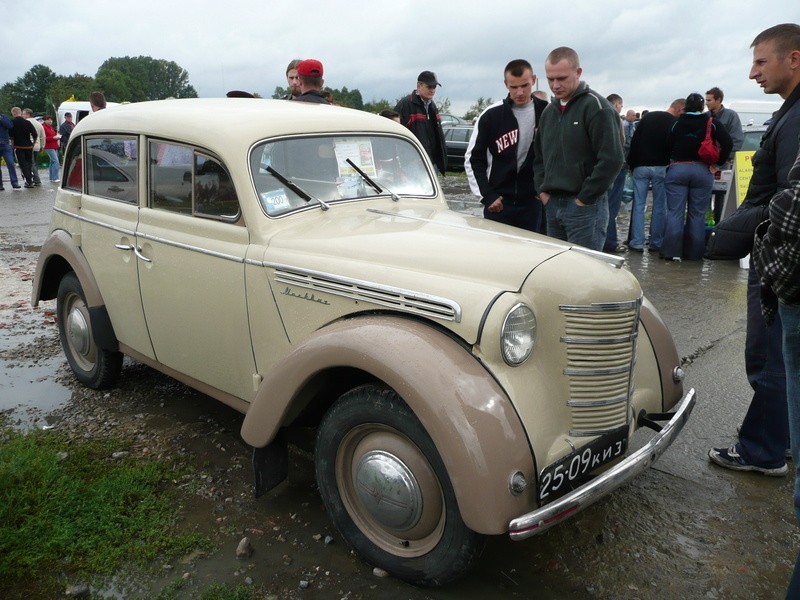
[
  {"x": 60, "y": 255},
  {"x": 464, "y": 410}
]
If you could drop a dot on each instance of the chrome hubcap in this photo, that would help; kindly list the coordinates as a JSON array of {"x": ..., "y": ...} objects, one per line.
[
  {"x": 388, "y": 490},
  {"x": 78, "y": 331}
]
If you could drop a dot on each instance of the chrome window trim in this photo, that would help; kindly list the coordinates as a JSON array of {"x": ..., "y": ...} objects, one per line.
[
  {"x": 94, "y": 221},
  {"x": 310, "y": 135},
  {"x": 412, "y": 301},
  {"x": 154, "y": 238}
]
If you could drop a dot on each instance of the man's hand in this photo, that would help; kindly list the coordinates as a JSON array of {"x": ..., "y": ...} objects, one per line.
[
  {"x": 544, "y": 197},
  {"x": 579, "y": 203},
  {"x": 496, "y": 206}
]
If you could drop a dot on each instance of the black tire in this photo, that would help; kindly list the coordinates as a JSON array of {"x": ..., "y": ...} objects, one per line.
[
  {"x": 93, "y": 366},
  {"x": 410, "y": 525}
]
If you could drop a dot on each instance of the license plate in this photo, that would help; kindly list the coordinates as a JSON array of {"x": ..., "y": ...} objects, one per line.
[{"x": 576, "y": 468}]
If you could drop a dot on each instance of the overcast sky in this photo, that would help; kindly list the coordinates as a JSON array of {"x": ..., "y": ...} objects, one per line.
[{"x": 649, "y": 52}]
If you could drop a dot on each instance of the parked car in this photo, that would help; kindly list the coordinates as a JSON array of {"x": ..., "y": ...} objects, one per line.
[
  {"x": 298, "y": 262},
  {"x": 448, "y": 120},
  {"x": 456, "y": 140},
  {"x": 752, "y": 136}
]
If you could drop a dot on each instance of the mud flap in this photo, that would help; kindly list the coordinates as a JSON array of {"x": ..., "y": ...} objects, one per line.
[{"x": 270, "y": 464}]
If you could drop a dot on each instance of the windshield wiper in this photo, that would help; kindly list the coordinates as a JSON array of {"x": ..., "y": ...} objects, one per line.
[
  {"x": 371, "y": 183},
  {"x": 296, "y": 188}
]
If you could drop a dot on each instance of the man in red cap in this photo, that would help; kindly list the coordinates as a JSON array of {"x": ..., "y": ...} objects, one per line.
[
  {"x": 310, "y": 73},
  {"x": 418, "y": 112}
]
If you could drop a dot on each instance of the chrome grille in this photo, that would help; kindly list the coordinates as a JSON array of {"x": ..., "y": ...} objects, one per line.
[
  {"x": 600, "y": 341},
  {"x": 363, "y": 291}
]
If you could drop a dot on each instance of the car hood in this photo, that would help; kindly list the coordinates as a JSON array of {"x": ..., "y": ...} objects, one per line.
[{"x": 423, "y": 248}]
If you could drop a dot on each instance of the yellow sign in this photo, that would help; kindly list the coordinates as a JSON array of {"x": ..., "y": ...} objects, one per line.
[{"x": 743, "y": 171}]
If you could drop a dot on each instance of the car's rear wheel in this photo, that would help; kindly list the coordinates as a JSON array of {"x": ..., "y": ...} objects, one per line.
[
  {"x": 387, "y": 491},
  {"x": 93, "y": 366}
]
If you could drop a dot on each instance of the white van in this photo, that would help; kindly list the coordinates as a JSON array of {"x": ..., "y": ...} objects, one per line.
[
  {"x": 78, "y": 109},
  {"x": 754, "y": 112}
]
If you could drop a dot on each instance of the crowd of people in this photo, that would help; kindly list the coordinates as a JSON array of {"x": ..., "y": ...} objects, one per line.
[
  {"x": 557, "y": 166},
  {"x": 23, "y": 136}
]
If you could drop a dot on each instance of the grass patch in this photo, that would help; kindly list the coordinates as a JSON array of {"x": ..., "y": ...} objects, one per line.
[
  {"x": 216, "y": 591},
  {"x": 66, "y": 518}
]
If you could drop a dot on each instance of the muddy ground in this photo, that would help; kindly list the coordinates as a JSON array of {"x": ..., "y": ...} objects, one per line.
[{"x": 682, "y": 530}]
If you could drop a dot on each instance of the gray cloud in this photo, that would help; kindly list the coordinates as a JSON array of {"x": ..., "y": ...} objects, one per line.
[{"x": 649, "y": 53}]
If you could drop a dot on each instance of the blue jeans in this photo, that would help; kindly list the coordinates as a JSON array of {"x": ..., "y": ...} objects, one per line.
[
  {"x": 643, "y": 177},
  {"x": 764, "y": 434},
  {"x": 688, "y": 198},
  {"x": 581, "y": 225},
  {"x": 52, "y": 154},
  {"x": 7, "y": 152},
  {"x": 614, "y": 202},
  {"x": 790, "y": 316}
]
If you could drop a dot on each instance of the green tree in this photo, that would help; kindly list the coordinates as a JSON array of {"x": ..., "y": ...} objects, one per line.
[
  {"x": 349, "y": 98},
  {"x": 477, "y": 108},
  {"x": 117, "y": 85},
  {"x": 30, "y": 90},
  {"x": 280, "y": 92},
  {"x": 65, "y": 87},
  {"x": 143, "y": 78},
  {"x": 376, "y": 106}
]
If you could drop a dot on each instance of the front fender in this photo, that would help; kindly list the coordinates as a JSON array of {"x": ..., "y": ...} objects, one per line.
[{"x": 468, "y": 416}]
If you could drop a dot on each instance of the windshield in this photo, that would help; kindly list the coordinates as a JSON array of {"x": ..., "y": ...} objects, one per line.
[{"x": 319, "y": 167}]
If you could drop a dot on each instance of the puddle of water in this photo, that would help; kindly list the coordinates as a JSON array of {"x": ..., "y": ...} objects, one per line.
[{"x": 28, "y": 393}]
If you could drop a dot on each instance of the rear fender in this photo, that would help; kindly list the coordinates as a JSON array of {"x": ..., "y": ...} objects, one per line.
[
  {"x": 60, "y": 255},
  {"x": 60, "y": 248}
]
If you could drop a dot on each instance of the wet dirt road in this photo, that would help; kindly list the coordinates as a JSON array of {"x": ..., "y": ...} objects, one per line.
[{"x": 685, "y": 529}]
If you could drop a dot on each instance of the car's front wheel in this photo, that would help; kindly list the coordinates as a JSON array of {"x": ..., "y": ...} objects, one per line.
[
  {"x": 93, "y": 366},
  {"x": 387, "y": 490}
]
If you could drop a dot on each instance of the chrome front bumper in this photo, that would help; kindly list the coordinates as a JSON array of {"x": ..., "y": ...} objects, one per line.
[{"x": 541, "y": 520}]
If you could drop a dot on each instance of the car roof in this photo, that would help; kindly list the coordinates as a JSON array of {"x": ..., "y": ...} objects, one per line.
[{"x": 245, "y": 120}]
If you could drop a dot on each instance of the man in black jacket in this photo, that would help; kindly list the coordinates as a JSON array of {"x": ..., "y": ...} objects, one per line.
[
  {"x": 499, "y": 158},
  {"x": 764, "y": 433},
  {"x": 648, "y": 159},
  {"x": 23, "y": 135},
  {"x": 418, "y": 112}
]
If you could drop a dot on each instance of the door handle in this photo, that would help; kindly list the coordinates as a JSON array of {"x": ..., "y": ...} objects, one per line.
[{"x": 136, "y": 251}]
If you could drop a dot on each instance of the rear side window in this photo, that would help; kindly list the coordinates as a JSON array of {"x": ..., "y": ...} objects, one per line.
[
  {"x": 73, "y": 167},
  {"x": 187, "y": 181},
  {"x": 112, "y": 168}
]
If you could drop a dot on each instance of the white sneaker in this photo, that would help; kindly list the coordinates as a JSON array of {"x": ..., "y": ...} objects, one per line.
[{"x": 54, "y": 180}]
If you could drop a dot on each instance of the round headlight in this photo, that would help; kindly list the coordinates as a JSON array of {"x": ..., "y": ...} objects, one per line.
[{"x": 518, "y": 335}]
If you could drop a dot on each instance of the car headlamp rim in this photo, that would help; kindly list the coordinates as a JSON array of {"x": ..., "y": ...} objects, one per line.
[{"x": 516, "y": 344}]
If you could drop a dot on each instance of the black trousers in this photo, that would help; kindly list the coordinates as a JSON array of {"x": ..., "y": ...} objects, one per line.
[{"x": 25, "y": 162}]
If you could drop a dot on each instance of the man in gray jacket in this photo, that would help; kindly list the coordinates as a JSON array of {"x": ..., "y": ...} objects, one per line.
[
  {"x": 577, "y": 154},
  {"x": 733, "y": 125}
]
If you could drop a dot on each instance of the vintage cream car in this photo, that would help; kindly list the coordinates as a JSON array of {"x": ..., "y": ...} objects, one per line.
[{"x": 299, "y": 263}]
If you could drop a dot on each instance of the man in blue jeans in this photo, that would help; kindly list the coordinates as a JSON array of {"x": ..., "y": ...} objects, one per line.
[
  {"x": 573, "y": 166},
  {"x": 648, "y": 159},
  {"x": 764, "y": 434},
  {"x": 7, "y": 152},
  {"x": 776, "y": 256}
]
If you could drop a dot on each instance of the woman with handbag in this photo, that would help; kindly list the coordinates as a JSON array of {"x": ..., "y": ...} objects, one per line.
[{"x": 690, "y": 179}]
